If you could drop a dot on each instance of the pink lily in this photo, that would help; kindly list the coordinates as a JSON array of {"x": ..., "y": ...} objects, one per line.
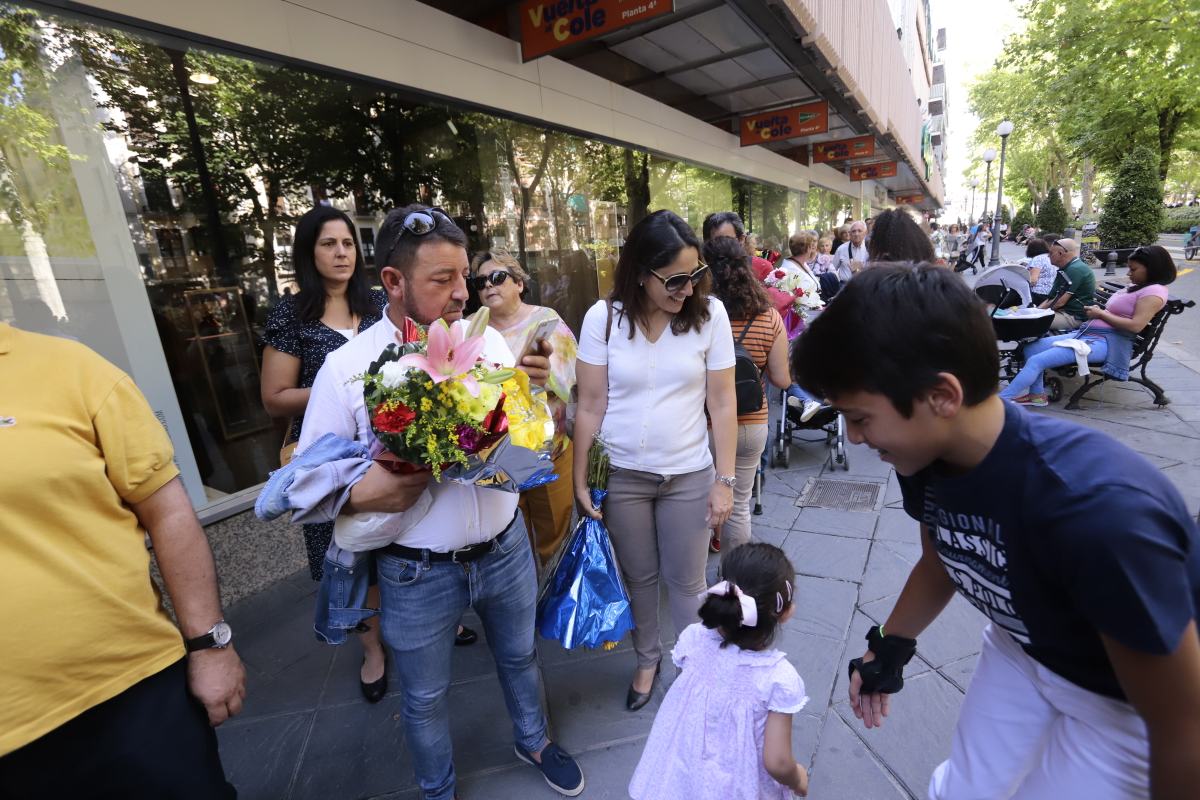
[{"x": 449, "y": 354}]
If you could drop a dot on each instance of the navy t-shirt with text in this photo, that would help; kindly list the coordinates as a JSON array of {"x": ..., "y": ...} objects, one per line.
[{"x": 1062, "y": 533}]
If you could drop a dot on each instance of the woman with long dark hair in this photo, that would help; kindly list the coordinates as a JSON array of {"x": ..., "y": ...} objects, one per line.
[
  {"x": 334, "y": 304},
  {"x": 653, "y": 357},
  {"x": 759, "y": 328}
]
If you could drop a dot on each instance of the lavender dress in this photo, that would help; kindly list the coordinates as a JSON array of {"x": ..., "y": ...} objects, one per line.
[{"x": 707, "y": 740}]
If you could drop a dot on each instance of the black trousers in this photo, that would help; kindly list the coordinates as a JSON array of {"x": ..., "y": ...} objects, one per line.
[{"x": 151, "y": 741}]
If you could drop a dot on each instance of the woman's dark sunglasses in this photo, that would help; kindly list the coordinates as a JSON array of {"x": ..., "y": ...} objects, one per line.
[
  {"x": 676, "y": 282},
  {"x": 493, "y": 278}
]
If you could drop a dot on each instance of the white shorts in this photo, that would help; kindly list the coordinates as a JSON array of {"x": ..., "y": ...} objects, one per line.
[{"x": 1026, "y": 732}]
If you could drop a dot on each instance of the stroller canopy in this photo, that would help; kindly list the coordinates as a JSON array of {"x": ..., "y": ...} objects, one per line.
[{"x": 1010, "y": 276}]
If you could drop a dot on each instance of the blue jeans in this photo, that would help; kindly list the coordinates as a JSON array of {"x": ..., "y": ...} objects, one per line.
[
  {"x": 795, "y": 391},
  {"x": 1043, "y": 355},
  {"x": 422, "y": 602}
]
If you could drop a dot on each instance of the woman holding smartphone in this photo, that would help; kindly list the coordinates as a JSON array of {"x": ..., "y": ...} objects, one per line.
[
  {"x": 653, "y": 358},
  {"x": 500, "y": 282}
]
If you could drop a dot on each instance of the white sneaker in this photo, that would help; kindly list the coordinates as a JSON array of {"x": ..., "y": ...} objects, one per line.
[
  {"x": 811, "y": 407},
  {"x": 795, "y": 402}
]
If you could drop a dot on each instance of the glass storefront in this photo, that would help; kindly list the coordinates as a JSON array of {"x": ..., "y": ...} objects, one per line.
[{"x": 148, "y": 194}]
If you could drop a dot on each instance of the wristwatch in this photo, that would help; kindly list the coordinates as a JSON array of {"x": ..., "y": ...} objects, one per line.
[
  {"x": 218, "y": 636},
  {"x": 728, "y": 480}
]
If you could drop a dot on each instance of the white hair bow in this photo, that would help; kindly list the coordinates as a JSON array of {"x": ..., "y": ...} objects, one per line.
[{"x": 749, "y": 605}]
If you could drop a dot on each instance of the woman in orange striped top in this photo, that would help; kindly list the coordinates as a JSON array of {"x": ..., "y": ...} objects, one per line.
[{"x": 750, "y": 310}]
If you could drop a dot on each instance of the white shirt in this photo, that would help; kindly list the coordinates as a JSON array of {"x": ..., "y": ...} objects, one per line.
[
  {"x": 656, "y": 390},
  {"x": 846, "y": 253},
  {"x": 808, "y": 281},
  {"x": 448, "y": 515}
]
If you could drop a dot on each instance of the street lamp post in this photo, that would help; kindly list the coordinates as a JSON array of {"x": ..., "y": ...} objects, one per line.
[
  {"x": 1002, "y": 130},
  {"x": 974, "y": 183},
  {"x": 989, "y": 156}
]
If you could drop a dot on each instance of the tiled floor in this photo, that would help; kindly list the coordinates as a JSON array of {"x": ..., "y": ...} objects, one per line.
[{"x": 306, "y": 733}]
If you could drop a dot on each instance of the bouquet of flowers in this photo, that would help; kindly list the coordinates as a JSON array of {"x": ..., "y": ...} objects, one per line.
[
  {"x": 789, "y": 282},
  {"x": 585, "y": 601},
  {"x": 433, "y": 402}
]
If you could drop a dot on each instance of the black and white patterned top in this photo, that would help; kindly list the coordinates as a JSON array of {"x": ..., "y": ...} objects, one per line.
[{"x": 311, "y": 341}]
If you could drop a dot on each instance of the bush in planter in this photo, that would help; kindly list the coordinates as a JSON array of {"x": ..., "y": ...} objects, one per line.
[
  {"x": 1052, "y": 216},
  {"x": 1024, "y": 217},
  {"x": 1133, "y": 212}
]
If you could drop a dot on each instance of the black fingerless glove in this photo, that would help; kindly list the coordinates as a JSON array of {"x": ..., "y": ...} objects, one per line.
[{"x": 885, "y": 673}]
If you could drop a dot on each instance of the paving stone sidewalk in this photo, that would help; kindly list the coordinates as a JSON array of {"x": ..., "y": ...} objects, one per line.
[{"x": 306, "y": 732}]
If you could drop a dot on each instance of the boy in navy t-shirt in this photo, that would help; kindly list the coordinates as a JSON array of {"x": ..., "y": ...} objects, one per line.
[{"x": 1080, "y": 552}]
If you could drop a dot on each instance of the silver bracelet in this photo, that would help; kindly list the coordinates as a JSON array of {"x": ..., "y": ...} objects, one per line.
[{"x": 728, "y": 480}]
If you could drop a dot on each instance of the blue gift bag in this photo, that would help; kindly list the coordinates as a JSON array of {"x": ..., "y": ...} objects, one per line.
[{"x": 585, "y": 601}]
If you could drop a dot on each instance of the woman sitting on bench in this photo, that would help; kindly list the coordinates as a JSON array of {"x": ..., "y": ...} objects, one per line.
[{"x": 1109, "y": 331}]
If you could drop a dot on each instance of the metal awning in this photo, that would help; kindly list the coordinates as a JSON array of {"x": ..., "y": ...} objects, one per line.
[{"x": 718, "y": 60}]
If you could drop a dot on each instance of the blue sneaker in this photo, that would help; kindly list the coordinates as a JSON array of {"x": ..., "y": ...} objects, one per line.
[{"x": 557, "y": 767}]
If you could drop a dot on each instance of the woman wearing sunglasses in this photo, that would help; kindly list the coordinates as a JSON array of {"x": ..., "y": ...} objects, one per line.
[
  {"x": 500, "y": 282},
  {"x": 653, "y": 357}
]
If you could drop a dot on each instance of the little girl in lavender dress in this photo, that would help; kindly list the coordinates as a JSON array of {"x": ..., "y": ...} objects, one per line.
[{"x": 724, "y": 731}]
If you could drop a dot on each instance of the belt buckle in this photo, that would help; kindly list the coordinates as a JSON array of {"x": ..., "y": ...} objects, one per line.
[{"x": 454, "y": 556}]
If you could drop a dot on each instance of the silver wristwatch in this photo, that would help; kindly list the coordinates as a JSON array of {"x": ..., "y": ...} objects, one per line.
[
  {"x": 218, "y": 636},
  {"x": 728, "y": 480}
]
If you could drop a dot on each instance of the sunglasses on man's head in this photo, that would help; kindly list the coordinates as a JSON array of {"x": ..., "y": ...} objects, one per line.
[
  {"x": 419, "y": 223},
  {"x": 493, "y": 278}
]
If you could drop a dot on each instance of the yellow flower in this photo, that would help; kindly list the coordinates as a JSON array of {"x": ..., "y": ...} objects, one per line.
[{"x": 426, "y": 404}]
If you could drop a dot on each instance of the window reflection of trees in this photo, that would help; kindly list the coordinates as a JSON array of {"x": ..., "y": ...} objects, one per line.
[{"x": 216, "y": 156}]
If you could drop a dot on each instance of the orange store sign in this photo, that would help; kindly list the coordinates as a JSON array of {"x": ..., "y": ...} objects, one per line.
[
  {"x": 786, "y": 123},
  {"x": 842, "y": 149},
  {"x": 547, "y": 25},
  {"x": 867, "y": 172},
  {"x": 909, "y": 199}
]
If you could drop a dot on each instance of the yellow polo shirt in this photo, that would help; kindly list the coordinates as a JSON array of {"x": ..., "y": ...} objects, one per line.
[{"x": 82, "y": 620}]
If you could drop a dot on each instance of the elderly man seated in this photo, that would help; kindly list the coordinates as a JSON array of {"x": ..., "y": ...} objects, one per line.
[{"x": 1080, "y": 285}]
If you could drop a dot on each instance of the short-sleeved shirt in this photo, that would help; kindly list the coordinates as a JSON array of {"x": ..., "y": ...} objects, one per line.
[
  {"x": 82, "y": 620},
  {"x": 1081, "y": 283},
  {"x": 1046, "y": 275},
  {"x": 311, "y": 341},
  {"x": 760, "y": 337},
  {"x": 1060, "y": 534},
  {"x": 655, "y": 419},
  {"x": 1124, "y": 302},
  {"x": 707, "y": 739}
]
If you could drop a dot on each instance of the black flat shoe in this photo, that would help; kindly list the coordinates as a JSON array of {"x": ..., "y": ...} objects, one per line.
[
  {"x": 635, "y": 700},
  {"x": 375, "y": 690},
  {"x": 465, "y": 637}
]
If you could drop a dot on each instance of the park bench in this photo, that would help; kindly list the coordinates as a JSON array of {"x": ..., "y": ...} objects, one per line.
[{"x": 1144, "y": 344}]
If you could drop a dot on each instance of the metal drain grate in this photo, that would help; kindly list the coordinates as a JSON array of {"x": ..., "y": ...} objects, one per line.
[{"x": 841, "y": 495}]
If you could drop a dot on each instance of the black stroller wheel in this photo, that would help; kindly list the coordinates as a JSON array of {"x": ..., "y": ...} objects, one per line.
[{"x": 1054, "y": 389}]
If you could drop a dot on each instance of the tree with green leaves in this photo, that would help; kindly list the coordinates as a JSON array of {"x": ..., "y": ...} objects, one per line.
[
  {"x": 1052, "y": 215},
  {"x": 1133, "y": 212},
  {"x": 1121, "y": 71}
]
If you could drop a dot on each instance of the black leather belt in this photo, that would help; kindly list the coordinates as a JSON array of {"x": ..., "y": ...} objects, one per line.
[{"x": 462, "y": 555}]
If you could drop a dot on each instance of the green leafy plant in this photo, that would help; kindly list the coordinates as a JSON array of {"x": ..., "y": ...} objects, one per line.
[
  {"x": 1052, "y": 216},
  {"x": 1133, "y": 212},
  {"x": 1180, "y": 220}
]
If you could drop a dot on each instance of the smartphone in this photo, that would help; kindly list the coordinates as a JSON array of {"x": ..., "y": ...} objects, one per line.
[{"x": 542, "y": 331}]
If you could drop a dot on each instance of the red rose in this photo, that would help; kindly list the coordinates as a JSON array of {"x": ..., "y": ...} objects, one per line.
[
  {"x": 798, "y": 292},
  {"x": 393, "y": 420},
  {"x": 780, "y": 274}
]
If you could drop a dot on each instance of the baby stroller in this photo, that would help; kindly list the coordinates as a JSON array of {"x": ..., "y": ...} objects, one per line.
[
  {"x": 1006, "y": 278},
  {"x": 1015, "y": 329},
  {"x": 827, "y": 421}
]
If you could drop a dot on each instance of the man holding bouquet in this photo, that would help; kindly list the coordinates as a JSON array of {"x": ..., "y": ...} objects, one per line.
[{"x": 454, "y": 545}]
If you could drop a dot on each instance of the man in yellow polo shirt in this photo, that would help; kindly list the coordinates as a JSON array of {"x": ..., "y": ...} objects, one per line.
[{"x": 97, "y": 698}]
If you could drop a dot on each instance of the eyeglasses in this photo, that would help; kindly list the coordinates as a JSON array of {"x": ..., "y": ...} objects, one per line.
[
  {"x": 676, "y": 282},
  {"x": 417, "y": 223},
  {"x": 493, "y": 278}
]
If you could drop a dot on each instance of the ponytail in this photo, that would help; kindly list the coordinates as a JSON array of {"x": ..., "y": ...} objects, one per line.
[{"x": 747, "y": 605}]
